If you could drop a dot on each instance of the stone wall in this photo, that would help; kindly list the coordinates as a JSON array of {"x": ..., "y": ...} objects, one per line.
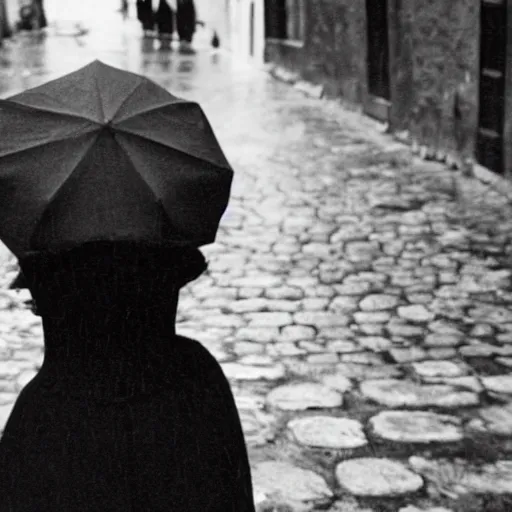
[
  {"x": 4, "y": 23},
  {"x": 507, "y": 135},
  {"x": 334, "y": 50},
  {"x": 444, "y": 48},
  {"x": 433, "y": 58}
]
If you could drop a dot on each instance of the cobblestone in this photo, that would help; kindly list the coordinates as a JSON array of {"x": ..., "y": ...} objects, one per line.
[
  {"x": 442, "y": 353},
  {"x": 326, "y": 358},
  {"x": 294, "y": 333},
  {"x": 377, "y": 317},
  {"x": 442, "y": 340},
  {"x": 500, "y": 384},
  {"x": 281, "y": 481},
  {"x": 377, "y": 477},
  {"x": 320, "y": 319},
  {"x": 498, "y": 419},
  {"x": 416, "y": 427},
  {"x": 338, "y": 382},
  {"x": 328, "y": 432},
  {"x": 303, "y": 396},
  {"x": 375, "y": 343},
  {"x": 244, "y": 372},
  {"x": 259, "y": 335},
  {"x": 416, "y": 313},
  {"x": 378, "y": 302},
  {"x": 401, "y": 393},
  {"x": 433, "y": 369},
  {"x": 412, "y": 508},
  {"x": 408, "y": 354},
  {"x": 457, "y": 477}
]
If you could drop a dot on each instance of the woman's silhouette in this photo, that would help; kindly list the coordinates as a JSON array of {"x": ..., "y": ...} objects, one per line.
[{"x": 124, "y": 415}]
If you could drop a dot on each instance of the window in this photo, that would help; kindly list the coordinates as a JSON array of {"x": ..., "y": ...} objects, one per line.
[{"x": 285, "y": 20}]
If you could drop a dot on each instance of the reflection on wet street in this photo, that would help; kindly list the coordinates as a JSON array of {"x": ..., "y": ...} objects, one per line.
[{"x": 359, "y": 299}]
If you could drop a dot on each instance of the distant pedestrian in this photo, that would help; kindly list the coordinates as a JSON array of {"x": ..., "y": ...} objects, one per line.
[
  {"x": 124, "y": 8},
  {"x": 186, "y": 24},
  {"x": 146, "y": 16},
  {"x": 32, "y": 15},
  {"x": 165, "y": 23},
  {"x": 215, "y": 40},
  {"x": 5, "y": 29},
  {"x": 43, "y": 23}
]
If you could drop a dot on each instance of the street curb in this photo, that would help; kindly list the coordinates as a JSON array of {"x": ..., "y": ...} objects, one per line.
[
  {"x": 495, "y": 181},
  {"x": 309, "y": 89},
  {"x": 450, "y": 161}
]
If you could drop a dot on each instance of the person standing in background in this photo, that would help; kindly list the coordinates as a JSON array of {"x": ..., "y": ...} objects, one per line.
[
  {"x": 165, "y": 24},
  {"x": 41, "y": 14},
  {"x": 186, "y": 24},
  {"x": 5, "y": 29},
  {"x": 124, "y": 8},
  {"x": 146, "y": 16}
]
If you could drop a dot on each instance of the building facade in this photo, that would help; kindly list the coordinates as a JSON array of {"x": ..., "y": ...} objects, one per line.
[
  {"x": 438, "y": 72},
  {"x": 10, "y": 15},
  {"x": 5, "y": 27},
  {"x": 248, "y": 29}
]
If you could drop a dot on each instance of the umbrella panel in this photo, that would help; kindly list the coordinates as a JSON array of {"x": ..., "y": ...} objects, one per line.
[
  {"x": 97, "y": 92},
  {"x": 193, "y": 193},
  {"x": 24, "y": 128},
  {"x": 28, "y": 181},
  {"x": 181, "y": 126},
  {"x": 103, "y": 199}
]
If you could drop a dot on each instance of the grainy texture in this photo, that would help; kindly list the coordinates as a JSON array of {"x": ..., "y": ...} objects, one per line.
[{"x": 328, "y": 218}]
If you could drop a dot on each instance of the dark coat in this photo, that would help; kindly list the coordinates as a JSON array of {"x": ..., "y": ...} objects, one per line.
[
  {"x": 124, "y": 414},
  {"x": 5, "y": 29},
  {"x": 164, "y": 18},
  {"x": 145, "y": 14},
  {"x": 42, "y": 14},
  {"x": 186, "y": 19}
]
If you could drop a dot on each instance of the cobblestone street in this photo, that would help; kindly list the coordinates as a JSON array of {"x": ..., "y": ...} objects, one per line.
[{"x": 358, "y": 298}]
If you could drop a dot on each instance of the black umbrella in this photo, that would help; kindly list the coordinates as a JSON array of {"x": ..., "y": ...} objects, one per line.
[{"x": 104, "y": 154}]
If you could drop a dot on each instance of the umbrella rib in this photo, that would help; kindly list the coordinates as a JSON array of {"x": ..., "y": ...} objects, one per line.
[
  {"x": 53, "y": 197},
  {"x": 123, "y": 103},
  {"x": 134, "y": 167},
  {"x": 154, "y": 108},
  {"x": 216, "y": 165},
  {"x": 13, "y": 105},
  {"x": 47, "y": 143},
  {"x": 100, "y": 99}
]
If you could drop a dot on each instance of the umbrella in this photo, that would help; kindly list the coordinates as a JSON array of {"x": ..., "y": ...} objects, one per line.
[{"x": 103, "y": 154}]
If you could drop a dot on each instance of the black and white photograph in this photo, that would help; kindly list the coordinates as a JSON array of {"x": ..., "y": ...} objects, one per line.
[{"x": 255, "y": 255}]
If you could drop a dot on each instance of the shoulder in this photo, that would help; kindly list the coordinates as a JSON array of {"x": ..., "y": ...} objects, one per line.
[
  {"x": 193, "y": 346},
  {"x": 199, "y": 360}
]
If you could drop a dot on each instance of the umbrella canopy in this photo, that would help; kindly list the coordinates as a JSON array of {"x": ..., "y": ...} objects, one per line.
[{"x": 104, "y": 154}]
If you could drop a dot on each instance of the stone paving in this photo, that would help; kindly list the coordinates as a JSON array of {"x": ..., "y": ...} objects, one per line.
[{"x": 359, "y": 299}]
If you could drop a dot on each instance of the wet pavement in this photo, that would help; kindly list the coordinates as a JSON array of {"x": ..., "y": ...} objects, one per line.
[{"x": 359, "y": 299}]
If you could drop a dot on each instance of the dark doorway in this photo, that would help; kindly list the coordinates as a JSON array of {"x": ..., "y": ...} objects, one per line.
[
  {"x": 275, "y": 19},
  {"x": 493, "y": 40},
  {"x": 378, "y": 59}
]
